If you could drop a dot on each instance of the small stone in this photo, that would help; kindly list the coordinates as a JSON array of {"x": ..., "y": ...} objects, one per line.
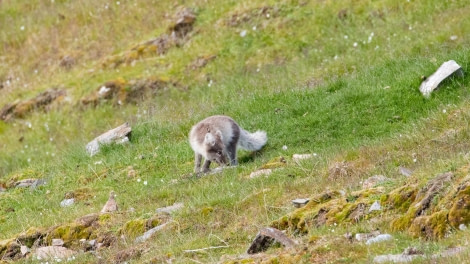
[
  {"x": 405, "y": 171},
  {"x": 67, "y": 202},
  {"x": 256, "y": 174},
  {"x": 57, "y": 242},
  {"x": 462, "y": 227},
  {"x": 365, "y": 236},
  {"x": 300, "y": 202},
  {"x": 266, "y": 237},
  {"x": 299, "y": 157},
  {"x": 375, "y": 207},
  {"x": 373, "y": 181},
  {"x": 169, "y": 209},
  {"x": 92, "y": 242},
  {"x": 379, "y": 238},
  {"x": 24, "y": 250}
]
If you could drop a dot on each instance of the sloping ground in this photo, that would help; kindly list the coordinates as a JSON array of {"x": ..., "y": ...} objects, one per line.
[{"x": 329, "y": 77}]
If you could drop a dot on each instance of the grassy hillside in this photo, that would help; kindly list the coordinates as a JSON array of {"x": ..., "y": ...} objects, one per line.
[{"x": 334, "y": 78}]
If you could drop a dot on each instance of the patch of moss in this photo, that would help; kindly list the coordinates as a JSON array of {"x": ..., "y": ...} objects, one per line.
[
  {"x": 277, "y": 162},
  {"x": 460, "y": 210},
  {"x": 434, "y": 226},
  {"x": 402, "y": 197},
  {"x": 30, "y": 236},
  {"x": 133, "y": 228},
  {"x": 70, "y": 233}
]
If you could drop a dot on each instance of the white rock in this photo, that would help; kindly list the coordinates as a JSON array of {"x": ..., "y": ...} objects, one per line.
[
  {"x": 256, "y": 174},
  {"x": 57, "y": 242},
  {"x": 300, "y": 202},
  {"x": 443, "y": 72},
  {"x": 24, "y": 250},
  {"x": 299, "y": 157},
  {"x": 462, "y": 227},
  {"x": 375, "y": 207},
  {"x": 67, "y": 202},
  {"x": 379, "y": 238},
  {"x": 365, "y": 236},
  {"x": 399, "y": 258}
]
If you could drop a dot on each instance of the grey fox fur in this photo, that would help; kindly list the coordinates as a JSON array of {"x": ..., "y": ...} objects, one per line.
[{"x": 216, "y": 138}]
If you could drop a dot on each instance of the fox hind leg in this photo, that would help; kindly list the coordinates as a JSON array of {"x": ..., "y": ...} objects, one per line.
[{"x": 232, "y": 153}]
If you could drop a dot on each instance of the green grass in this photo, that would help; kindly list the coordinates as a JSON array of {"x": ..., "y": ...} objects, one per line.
[{"x": 295, "y": 75}]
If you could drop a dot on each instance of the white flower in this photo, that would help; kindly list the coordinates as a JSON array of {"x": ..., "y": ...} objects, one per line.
[
  {"x": 138, "y": 180},
  {"x": 243, "y": 33},
  {"x": 22, "y": 28},
  {"x": 355, "y": 44},
  {"x": 284, "y": 147},
  {"x": 145, "y": 182}
]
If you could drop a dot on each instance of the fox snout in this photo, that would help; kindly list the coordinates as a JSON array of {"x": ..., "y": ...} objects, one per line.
[{"x": 220, "y": 158}]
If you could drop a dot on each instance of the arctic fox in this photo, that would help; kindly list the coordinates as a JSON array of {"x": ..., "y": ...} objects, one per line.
[{"x": 216, "y": 138}]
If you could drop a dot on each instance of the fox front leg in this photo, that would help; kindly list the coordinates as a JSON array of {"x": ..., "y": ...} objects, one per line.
[
  {"x": 206, "y": 165},
  {"x": 197, "y": 162}
]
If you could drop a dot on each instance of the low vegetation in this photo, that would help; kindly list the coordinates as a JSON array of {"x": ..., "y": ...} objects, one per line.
[{"x": 334, "y": 79}]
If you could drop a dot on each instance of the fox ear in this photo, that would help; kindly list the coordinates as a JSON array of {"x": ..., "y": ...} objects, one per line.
[
  {"x": 209, "y": 139},
  {"x": 218, "y": 134}
]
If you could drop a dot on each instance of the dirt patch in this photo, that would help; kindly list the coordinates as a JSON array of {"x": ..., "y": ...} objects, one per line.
[
  {"x": 200, "y": 62},
  {"x": 178, "y": 33},
  {"x": 242, "y": 17},
  {"x": 19, "y": 109},
  {"x": 127, "y": 254},
  {"x": 121, "y": 91}
]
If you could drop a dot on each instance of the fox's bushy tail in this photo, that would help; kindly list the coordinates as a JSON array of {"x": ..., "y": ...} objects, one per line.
[{"x": 252, "y": 141}]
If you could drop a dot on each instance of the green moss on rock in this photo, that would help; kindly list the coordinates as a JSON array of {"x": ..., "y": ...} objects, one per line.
[
  {"x": 133, "y": 228},
  {"x": 460, "y": 210},
  {"x": 434, "y": 226}
]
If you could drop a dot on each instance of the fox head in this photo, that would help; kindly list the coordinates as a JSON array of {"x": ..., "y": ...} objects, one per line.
[{"x": 215, "y": 148}]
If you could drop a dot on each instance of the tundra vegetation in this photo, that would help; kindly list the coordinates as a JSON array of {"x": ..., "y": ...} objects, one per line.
[{"x": 331, "y": 78}]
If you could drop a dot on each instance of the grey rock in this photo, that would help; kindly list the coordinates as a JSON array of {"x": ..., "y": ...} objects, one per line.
[
  {"x": 67, "y": 202},
  {"x": 57, "y": 242},
  {"x": 379, "y": 238},
  {"x": 375, "y": 207},
  {"x": 266, "y": 237},
  {"x": 405, "y": 171},
  {"x": 150, "y": 232},
  {"x": 171, "y": 208}
]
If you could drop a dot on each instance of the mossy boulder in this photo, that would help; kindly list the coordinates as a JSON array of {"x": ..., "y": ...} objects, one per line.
[
  {"x": 82, "y": 228},
  {"x": 19, "y": 109},
  {"x": 133, "y": 228},
  {"x": 31, "y": 236},
  {"x": 9, "y": 250},
  {"x": 326, "y": 209},
  {"x": 460, "y": 210},
  {"x": 432, "y": 226},
  {"x": 121, "y": 91}
]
